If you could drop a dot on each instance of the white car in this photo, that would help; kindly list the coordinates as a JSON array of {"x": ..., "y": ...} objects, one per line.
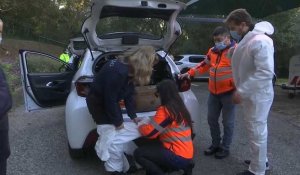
[
  {"x": 49, "y": 82},
  {"x": 187, "y": 61}
]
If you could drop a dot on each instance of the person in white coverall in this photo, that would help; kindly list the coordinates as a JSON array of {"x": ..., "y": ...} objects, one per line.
[{"x": 253, "y": 71}]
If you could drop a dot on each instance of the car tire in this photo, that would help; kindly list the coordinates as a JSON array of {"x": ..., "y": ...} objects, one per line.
[{"x": 76, "y": 153}]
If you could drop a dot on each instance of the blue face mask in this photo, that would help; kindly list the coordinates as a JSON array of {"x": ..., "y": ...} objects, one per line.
[
  {"x": 235, "y": 35},
  {"x": 220, "y": 45}
]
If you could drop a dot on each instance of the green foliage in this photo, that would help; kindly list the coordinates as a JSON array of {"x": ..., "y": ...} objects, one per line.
[
  {"x": 60, "y": 20},
  {"x": 286, "y": 38},
  {"x": 41, "y": 64}
]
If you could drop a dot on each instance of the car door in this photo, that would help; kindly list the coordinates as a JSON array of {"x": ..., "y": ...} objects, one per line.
[{"x": 46, "y": 80}]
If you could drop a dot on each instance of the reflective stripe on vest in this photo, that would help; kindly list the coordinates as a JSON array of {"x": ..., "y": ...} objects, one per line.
[
  {"x": 221, "y": 78},
  {"x": 181, "y": 128},
  {"x": 175, "y": 139},
  {"x": 207, "y": 61},
  {"x": 220, "y": 70},
  {"x": 156, "y": 126}
]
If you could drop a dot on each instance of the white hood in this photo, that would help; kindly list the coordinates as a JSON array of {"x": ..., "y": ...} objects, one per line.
[{"x": 264, "y": 27}]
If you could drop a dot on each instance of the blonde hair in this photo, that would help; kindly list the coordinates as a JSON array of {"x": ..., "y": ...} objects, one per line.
[{"x": 141, "y": 62}]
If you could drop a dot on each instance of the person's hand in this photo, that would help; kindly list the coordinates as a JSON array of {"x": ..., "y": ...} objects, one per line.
[
  {"x": 236, "y": 98},
  {"x": 120, "y": 127},
  {"x": 185, "y": 75},
  {"x": 137, "y": 120}
]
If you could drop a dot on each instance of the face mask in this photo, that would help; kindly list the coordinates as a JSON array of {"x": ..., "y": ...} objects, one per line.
[
  {"x": 220, "y": 45},
  {"x": 235, "y": 35}
]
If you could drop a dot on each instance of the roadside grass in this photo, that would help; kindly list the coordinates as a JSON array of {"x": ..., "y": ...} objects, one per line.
[{"x": 281, "y": 81}]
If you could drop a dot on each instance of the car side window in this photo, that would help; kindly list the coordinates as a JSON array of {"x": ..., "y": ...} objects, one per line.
[
  {"x": 39, "y": 63},
  {"x": 195, "y": 59}
]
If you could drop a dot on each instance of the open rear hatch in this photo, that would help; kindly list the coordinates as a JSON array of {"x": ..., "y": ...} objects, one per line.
[{"x": 132, "y": 24}]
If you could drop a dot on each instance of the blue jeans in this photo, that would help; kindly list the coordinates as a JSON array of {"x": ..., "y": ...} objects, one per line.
[
  {"x": 216, "y": 104},
  {"x": 156, "y": 159}
]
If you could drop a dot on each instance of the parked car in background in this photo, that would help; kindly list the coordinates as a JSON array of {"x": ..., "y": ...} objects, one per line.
[
  {"x": 49, "y": 82},
  {"x": 187, "y": 61}
]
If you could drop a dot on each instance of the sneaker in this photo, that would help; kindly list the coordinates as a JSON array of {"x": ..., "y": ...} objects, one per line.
[
  {"x": 247, "y": 162},
  {"x": 211, "y": 150},
  {"x": 221, "y": 154},
  {"x": 189, "y": 170},
  {"x": 247, "y": 172}
]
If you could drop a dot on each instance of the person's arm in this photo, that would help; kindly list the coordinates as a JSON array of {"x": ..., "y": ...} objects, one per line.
[
  {"x": 112, "y": 89},
  {"x": 157, "y": 124},
  {"x": 262, "y": 52},
  {"x": 130, "y": 102},
  {"x": 5, "y": 97},
  {"x": 202, "y": 67}
]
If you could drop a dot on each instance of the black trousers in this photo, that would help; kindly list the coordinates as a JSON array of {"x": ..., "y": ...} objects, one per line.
[
  {"x": 156, "y": 159},
  {"x": 4, "y": 144}
]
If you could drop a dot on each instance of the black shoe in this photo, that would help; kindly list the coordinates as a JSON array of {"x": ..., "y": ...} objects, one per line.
[
  {"x": 132, "y": 167},
  {"x": 221, "y": 154},
  {"x": 211, "y": 150},
  {"x": 245, "y": 173},
  {"x": 118, "y": 173},
  {"x": 247, "y": 162}
]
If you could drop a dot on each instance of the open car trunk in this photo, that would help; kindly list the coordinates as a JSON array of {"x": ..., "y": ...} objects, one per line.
[{"x": 145, "y": 98}]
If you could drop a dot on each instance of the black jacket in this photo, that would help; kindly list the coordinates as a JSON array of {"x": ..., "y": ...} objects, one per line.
[
  {"x": 5, "y": 97},
  {"x": 111, "y": 85},
  {"x": 5, "y": 105}
]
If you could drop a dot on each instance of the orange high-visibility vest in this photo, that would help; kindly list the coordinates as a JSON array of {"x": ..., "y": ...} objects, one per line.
[
  {"x": 219, "y": 67},
  {"x": 175, "y": 137}
]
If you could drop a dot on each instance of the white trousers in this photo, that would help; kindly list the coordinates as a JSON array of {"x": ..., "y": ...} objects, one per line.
[
  {"x": 112, "y": 144},
  {"x": 256, "y": 110}
]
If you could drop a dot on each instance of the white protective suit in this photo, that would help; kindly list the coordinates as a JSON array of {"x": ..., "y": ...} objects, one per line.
[
  {"x": 112, "y": 144},
  {"x": 253, "y": 70}
]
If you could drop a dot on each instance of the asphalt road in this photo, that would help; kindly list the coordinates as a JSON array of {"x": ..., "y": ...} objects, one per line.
[{"x": 39, "y": 145}]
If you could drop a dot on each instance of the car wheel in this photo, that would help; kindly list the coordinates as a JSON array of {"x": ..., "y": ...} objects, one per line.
[{"x": 76, "y": 153}]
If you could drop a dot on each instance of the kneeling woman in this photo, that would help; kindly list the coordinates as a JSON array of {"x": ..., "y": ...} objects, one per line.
[{"x": 172, "y": 125}]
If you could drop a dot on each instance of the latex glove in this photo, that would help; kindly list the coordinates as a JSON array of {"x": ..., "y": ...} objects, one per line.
[
  {"x": 185, "y": 75},
  {"x": 136, "y": 120},
  {"x": 120, "y": 127},
  {"x": 236, "y": 98}
]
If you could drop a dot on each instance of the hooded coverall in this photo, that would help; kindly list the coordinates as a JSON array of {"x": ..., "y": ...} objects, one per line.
[{"x": 253, "y": 70}]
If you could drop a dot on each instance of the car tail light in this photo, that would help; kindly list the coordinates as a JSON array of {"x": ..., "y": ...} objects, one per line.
[{"x": 83, "y": 85}]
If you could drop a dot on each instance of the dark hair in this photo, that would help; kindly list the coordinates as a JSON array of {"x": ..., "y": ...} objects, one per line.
[
  {"x": 221, "y": 30},
  {"x": 170, "y": 98},
  {"x": 238, "y": 16}
]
